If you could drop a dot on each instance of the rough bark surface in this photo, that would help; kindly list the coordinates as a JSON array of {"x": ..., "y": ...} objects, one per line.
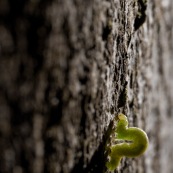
[{"x": 67, "y": 68}]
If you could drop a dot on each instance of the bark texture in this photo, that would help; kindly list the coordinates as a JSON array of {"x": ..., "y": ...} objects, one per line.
[{"x": 68, "y": 67}]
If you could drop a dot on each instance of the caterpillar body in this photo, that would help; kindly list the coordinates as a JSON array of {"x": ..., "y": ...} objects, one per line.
[{"x": 135, "y": 142}]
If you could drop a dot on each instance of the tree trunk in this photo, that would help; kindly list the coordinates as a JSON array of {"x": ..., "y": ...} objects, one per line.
[{"x": 67, "y": 68}]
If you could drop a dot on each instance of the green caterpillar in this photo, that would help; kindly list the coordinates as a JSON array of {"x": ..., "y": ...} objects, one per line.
[{"x": 135, "y": 142}]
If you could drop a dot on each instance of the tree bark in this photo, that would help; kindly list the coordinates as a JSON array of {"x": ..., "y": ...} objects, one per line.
[{"x": 67, "y": 68}]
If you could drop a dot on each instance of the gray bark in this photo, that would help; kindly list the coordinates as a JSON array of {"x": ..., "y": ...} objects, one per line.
[{"x": 67, "y": 68}]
